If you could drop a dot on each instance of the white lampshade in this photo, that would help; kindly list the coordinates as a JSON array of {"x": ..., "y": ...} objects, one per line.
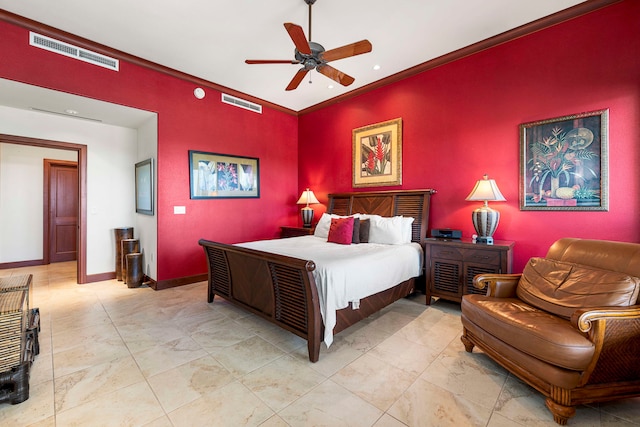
[
  {"x": 485, "y": 219},
  {"x": 307, "y": 212},
  {"x": 307, "y": 198},
  {"x": 486, "y": 190}
]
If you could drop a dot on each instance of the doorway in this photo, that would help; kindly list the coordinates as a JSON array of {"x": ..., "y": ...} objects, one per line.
[
  {"x": 60, "y": 204},
  {"x": 81, "y": 150}
]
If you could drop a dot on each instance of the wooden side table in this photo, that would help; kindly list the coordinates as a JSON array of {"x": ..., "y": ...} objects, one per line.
[
  {"x": 452, "y": 264},
  {"x": 295, "y": 231}
]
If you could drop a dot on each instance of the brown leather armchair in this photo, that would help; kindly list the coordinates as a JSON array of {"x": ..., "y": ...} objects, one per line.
[{"x": 569, "y": 325}]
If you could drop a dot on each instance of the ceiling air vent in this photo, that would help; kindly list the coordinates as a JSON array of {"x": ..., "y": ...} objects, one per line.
[
  {"x": 66, "y": 49},
  {"x": 232, "y": 100}
]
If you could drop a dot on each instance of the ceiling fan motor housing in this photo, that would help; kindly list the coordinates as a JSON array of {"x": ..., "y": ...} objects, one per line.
[{"x": 311, "y": 61}]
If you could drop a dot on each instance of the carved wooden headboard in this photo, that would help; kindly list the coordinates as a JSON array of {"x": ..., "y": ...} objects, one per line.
[{"x": 410, "y": 203}]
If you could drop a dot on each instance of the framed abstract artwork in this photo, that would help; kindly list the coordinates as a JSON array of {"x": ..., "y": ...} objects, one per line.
[
  {"x": 377, "y": 154},
  {"x": 213, "y": 175},
  {"x": 144, "y": 187},
  {"x": 564, "y": 163}
]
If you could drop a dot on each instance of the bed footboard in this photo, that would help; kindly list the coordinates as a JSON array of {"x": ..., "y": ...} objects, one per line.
[{"x": 278, "y": 288}]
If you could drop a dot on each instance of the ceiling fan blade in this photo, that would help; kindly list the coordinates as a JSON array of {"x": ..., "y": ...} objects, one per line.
[
  {"x": 333, "y": 74},
  {"x": 297, "y": 78},
  {"x": 297, "y": 35},
  {"x": 271, "y": 61},
  {"x": 353, "y": 49}
]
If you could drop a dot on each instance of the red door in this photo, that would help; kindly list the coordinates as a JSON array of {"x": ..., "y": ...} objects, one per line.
[{"x": 63, "y": 210}]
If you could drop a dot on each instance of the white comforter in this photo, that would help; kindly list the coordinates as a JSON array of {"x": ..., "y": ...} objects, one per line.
[{"x": 347, "y": 273}]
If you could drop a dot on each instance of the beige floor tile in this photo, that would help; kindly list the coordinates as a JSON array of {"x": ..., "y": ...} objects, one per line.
[
  {"x": 232, "y": 405},
  {"x": 168, "y": 355},
  {"x": 462, "y": 376},
  {"x": 387, "y": 420},
  {"x": 186, "y": 383},
  {"x": 82, "y": 386},
  {"x": 374, "y": 380},
  {"x": 330, "y": 405},
  {"x": 129, "y": 406},
  {"x": 282, "y": 381},
  {"x": 425, "y": 404},
  {"x": 87, "y": 354},
  {"x": 247, "y": 356},
  {"x": 403, "y": 354}
]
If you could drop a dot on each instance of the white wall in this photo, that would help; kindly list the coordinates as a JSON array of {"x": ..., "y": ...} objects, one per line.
[
  {"x": 21, "y": 199},
  {"x": 146, "y": 227},
  {"x": 112, "y": 152}
]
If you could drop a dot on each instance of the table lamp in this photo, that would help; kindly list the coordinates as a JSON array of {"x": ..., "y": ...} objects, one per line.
[
  {"x": 485, "y": 219},
  {"x": 307, "y": 212}
]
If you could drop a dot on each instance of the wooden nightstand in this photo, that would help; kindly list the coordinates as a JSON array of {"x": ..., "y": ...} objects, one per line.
[
  {"x": 450, "y": 265},
  {"x": 295, "y": 231}
]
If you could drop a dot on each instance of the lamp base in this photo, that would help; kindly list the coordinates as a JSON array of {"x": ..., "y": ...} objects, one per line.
[
  {"x": 485, "y": 221},
  {"x": 484, "y": 240},
  {"x": 307, "y": 217}
]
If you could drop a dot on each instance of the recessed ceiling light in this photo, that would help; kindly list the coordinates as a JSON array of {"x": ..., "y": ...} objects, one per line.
[
  {"x": 330, "y": 87},
  {"x": 376, "y": 67},
  {"x": 70, "y": 111}
]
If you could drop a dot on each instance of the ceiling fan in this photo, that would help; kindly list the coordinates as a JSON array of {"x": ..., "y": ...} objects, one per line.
[{"x": 312, "y": 55}]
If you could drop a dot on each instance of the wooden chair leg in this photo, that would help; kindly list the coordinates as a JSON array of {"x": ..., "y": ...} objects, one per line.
[
  {"x": 468, "y": 345},
  {"x": 559, "y": 404}
]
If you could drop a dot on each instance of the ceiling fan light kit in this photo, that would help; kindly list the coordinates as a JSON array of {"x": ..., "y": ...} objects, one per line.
[{"x": 312, "y": 55}]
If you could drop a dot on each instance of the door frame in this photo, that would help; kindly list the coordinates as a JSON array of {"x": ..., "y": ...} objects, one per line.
[
  {"x": 81, "y": 151},
  {"x": 46, "y": 217}
]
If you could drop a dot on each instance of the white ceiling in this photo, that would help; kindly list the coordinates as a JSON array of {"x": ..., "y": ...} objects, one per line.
[{"x": 210, "y": 39}]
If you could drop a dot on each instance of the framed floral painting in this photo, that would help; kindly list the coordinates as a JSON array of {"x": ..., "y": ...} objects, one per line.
[
  {"x": 213, "y": 175},
  {"x": 377, "y": 154},
  {"x": 564, "y": 163}
]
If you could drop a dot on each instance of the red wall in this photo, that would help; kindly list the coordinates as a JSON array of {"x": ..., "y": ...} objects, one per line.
[
  {"x": 461, "y": 120},
  {"x": 184, "y": 123}
]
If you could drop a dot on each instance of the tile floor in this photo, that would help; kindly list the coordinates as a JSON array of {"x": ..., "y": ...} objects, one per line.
[{"x": 114, "y": 356}]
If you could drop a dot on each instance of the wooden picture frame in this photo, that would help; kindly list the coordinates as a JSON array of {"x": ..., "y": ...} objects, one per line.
[
  {"x": 216, "y": 176},
  {"x": 144, "y": 187},
  {"x": 377, "y": 154},
  {"x": 564, "y": 163}
]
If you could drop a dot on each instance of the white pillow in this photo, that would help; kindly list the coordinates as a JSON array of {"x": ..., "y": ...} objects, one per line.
[
  {"x": 323, "y": 225},
  {"x": 407, "y": 229},
  {"x": 388, "y": 231}
]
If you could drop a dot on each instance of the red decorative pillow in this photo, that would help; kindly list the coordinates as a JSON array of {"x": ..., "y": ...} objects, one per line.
[{"x": 341, "y": 231}]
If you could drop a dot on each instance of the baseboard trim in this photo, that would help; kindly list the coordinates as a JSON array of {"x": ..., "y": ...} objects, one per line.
[
  {"x": 172, "y": 283},
  {"x": 19, "y": 264},
  {"x": 101, "y": 277}
]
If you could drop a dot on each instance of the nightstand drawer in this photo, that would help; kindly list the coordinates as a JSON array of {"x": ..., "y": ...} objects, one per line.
[
  {"x": 446, "y": 252},
  {"x": 482, "y": 256}
]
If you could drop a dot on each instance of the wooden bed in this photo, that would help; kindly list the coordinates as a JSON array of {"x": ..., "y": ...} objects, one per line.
[{"x": 282, "y": 289}]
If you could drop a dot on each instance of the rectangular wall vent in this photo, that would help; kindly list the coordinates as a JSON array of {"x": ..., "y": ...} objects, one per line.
[
  {"x": 72, "y": 51},
  {"x": 232, "y": 100}
]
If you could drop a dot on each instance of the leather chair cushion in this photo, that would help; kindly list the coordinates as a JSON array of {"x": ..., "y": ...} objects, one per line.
[
  {"x": 562, "y": 287},
  {"x": 532, "y": 331}
]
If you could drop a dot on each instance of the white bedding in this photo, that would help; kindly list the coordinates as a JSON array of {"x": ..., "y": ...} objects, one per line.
[{"x": 348, "y": 273}]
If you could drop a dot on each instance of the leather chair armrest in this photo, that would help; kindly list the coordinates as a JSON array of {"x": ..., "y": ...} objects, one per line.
[
  {"x": 584, "y": 319},
  {"x": 497, "y": 285}
]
